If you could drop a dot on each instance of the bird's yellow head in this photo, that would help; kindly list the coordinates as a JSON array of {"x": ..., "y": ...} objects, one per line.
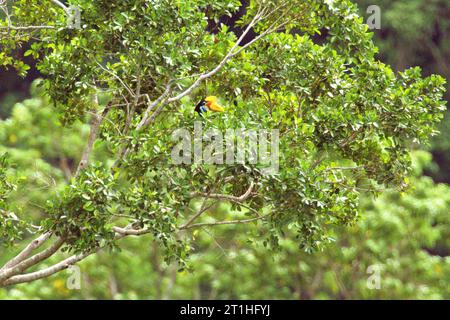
[{"x": 211, "y": 103}]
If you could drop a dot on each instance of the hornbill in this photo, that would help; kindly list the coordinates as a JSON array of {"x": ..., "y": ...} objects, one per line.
[{"x": 208, "y": 103}]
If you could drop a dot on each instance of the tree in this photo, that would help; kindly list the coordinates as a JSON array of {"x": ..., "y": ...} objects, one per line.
[
  {"x": 403, "y": 239},
  {"x": 419, "y": 37},
  {"x": 405, "y": 235},
  {"x": 346, "y": 122}
]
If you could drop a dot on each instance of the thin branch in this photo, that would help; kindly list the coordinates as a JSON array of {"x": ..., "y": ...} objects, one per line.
[
  {"x": 241, "y": 198},
  {"x": 210, "y": 195},
  {"x": 219, "y": 223},
  {"x": 203, "y": 209},
  {"x": 274, "y": 27},
  {"x": 4, "y": 7},
  {"x": 344, "y": 168},
  {"x": 26, "y": 28},
  {"x": 95, "y": 126},
  {"x": 60, "y": 4},
  {"x": 248, "y": 208},
  {"x": 117, "y": 77},
  {"x": 227, "y": 57},
  {"x": 257, "y": 38},
  {"x": 145, "y": 118},
  {"x": 131, "y": 112}
]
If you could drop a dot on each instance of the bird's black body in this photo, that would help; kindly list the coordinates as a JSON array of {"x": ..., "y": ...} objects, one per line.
[{"x": 201, "y": 107}]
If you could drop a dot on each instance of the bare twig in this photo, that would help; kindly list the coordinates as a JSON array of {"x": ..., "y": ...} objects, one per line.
[
  {"x": 26, "y": 28},
  {"x": 145, "y": 118},
  {"x": 220, "y": 223},
  {"x": 95, "y": 126},
  {"x": 60, "y": 4},
  {"x": 227, "y": 57},
  {"x": 241, "y": 198},
  {"x": 116, "y": 77},
  {"x": 203, "y": 209}
]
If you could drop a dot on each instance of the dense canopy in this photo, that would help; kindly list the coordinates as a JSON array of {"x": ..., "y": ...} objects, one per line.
[{"x": 134, "y": 71}]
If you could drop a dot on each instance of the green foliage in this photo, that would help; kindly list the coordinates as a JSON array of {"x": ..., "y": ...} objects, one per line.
[
  {"x": 347, "y": 122},
  {"x": 81, "y": 211},
  {"x": 11, "y": 227},
  {"x": 8, "y": 225},
  {"x": 414, "y": 32},
  {"x": 42, "y": 151},
  {"x": 403, "y": 233}
]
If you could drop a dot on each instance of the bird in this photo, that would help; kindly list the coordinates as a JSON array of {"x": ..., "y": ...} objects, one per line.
[{"x": 208, "y": 103}]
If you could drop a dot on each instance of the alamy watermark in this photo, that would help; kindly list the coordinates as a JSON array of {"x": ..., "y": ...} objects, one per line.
[
  {"x": 73, "y": 17},
  {"x": 74, "y": 280},
  {"x": 234, "y": 146},
  {"x": 374, "y": 20},
  {"x": 374, "y": 280}
]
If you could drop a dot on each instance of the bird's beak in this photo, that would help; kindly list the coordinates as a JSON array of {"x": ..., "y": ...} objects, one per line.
[{"x": 215, "y": 107}]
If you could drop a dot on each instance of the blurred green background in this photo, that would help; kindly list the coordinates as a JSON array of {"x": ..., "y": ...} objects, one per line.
[{"x": 405, "y": 237}]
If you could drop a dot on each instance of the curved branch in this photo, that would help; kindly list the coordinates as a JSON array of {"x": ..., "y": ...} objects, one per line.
[
  {"x": 60, "y": 4},
  {"x": 145, "y": 119},
  {"x": 47, "y": 271},
  {"x": 203, "y": 209},
  {"x": 241, "y": 198},
  {"x": 28, "y": 277},
  {"x": 95, "y": 126},
  {"x": 20, "y": 267},
  {"x": 26, "y": 252}
]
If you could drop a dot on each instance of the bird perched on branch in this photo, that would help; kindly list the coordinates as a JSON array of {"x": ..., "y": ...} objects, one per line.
[{"x": 208, "y": 104}]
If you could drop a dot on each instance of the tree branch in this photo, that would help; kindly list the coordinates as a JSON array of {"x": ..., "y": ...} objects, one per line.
[
  {"x": 26, "y": 28},
  {"x": 130, "y": 232},
  {"x": 26, "y": 252},
  {"x": 219, "y": 223},
  {"x": 227, "y": 57},
  {"x": 145, "y": 119},
  {"x": 47, "y": 271},
  {"x": 60, "y": 4},
  {"x": 241, "y": 198},
  {"x": 203, "y": 209},
  {"x": 58, "y": 266},
  {"x": 95, "y": 126},
  {"x": 116, "y": 77},
  {"x": 20, "y": 267}
]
